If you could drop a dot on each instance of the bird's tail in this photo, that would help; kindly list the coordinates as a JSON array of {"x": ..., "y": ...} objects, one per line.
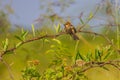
[{"x": 75, "y": 37}]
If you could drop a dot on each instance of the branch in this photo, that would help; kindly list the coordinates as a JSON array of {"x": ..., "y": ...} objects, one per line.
[
  {"x": 105, "y": 37},
  {"x": 90, "y": 18},
  {"x": 8, "y": 67},
  {"x": 31, "y": 40},
  {"x": 94, "y": 64},
  {"x": 56, "y": 35},
  {"x": 101, "y": 64}
]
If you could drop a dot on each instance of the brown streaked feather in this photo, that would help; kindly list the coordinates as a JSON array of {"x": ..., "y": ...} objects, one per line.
[{"x": 70, "y": 29}]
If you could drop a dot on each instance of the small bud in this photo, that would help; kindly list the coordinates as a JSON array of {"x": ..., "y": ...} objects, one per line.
[
  {"x": 68, "y": 68},
  {"x": 80, "y": 63},
  {"x": 33, "y": 62}
]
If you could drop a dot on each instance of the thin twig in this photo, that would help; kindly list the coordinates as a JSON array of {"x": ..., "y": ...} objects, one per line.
[
  {"x": 90, "y": 18},
  {"x": 105, "y": 37},
  {"x": 100, "y": 64},
  {"x": 31, "y": 40},
  {"x": 56, "y": 35},
  {"x": 8, "y": 67}
]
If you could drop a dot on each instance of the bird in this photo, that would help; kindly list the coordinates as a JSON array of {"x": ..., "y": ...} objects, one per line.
[{"x": 70, "y": 29}]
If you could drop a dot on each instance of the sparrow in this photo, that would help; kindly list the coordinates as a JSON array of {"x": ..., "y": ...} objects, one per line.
[{"x": 70, "y": 29}]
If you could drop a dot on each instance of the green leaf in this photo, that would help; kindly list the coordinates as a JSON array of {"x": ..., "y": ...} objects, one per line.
[
  {"x": 52, "y": 46},
  {"x": 99, "y": 55},
  {"x": 6, "y": 41},
  {"x": 56, "y": 40},
  {"x": 107, "y": 55},
  {"x": 57, "y": 28},
  {"x": 33, "y": 30},
  {"x": 18, "y": 44},
  {"x": 79, "y": 56},
  {"x": 105, "y": 68},
  {"x": 59, "y": 75},
  {"x": 62, "y": 68},
  {"x": 22, "y": 30},
  {"x": 76, "y": 57},
  {"x": 81, "y": 21},
  {"x": 18, "y": 37},
  {"x": 96, "y": 54},
  {"x": 90, "y": 16},
  {"x": 24, "y": 34},
  {"x": 49, "y": 51},
  {"x": 5, "y": 44},
  {"x": 89, "y": 56},
  {"x": 46, "y": 40}
]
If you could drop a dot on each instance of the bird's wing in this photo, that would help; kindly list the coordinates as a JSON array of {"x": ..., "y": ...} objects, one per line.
[{"x": 73, "y": 29}]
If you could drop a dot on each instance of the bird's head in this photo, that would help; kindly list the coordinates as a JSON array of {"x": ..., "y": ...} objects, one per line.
[{"x": 67, "y": 24}]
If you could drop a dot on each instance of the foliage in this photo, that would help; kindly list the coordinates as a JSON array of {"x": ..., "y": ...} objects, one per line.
[
  {"x": 31, "y": 72},
  {"x": 60, "y": 69},
  {"x": 65, "y": 64}
]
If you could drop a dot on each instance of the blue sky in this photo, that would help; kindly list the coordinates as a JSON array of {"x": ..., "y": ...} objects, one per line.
[{"x": 26, "y": 11}]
